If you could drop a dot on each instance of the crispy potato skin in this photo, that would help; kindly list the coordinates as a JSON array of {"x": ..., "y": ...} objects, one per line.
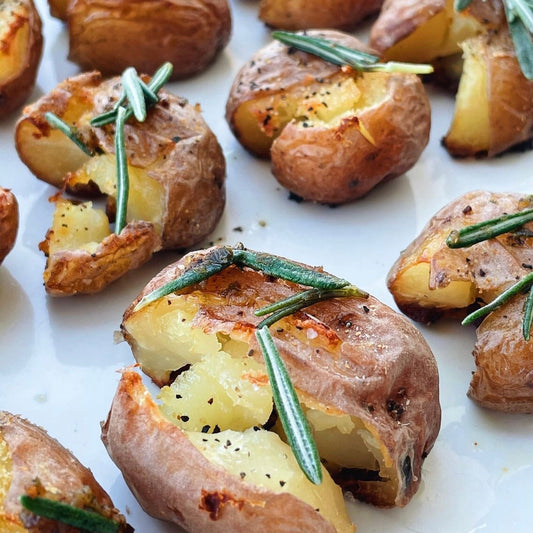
[
  {"x": 9, "y": 222},
  {"x": 510, "y": 97},
  {"x": 21, "y": 44},
  {"x": 491, "y": 265},
  {"x": 189, "y": 34},
  {"x": 209, "y": 500},
  {"x": 400, "y": 18},
  {"x": 70, "y": 272},
  {"x": 504, "y": 360},
  {"x": 335, "y": 163},
  {"x": 300, "y": 15},
  {"x": 366, "y": 358},
  {"x": 175, "y": 143},
  {"x": 36, "y": 455}
]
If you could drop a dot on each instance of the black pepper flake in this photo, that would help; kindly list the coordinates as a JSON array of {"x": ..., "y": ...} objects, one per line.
[
  {"x": 238, "y": 228},
  {"x": 237, "y": 450},
  {"x": 281, "y": 483},
  {"x": 467, "y": 210},
  {"x": 216, "y": 429},
  {"x": 243, "y": 475},
  {"x": 228, "y": 443},
  {"x": 176, "y": 139},
  {"x": 206, "y": 428},
  {"x": 482, "y": 273},
  {"x": 256, "y": 428},
  {"x": 366, "y": 309},
  {"x": 179, "y": 396},
  {"x": 184, "y": 418},
  {"x": 210, "y": 401},
  {"x": 250, "y": 353},
  {"x": 526, "y": 265},
  {"x": 267, "y": 475}
]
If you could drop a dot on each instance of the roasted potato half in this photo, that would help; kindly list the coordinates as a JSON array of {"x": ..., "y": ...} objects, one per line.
[
  {"x": 21, "y": 44},
  {"x": 9, "y": 222},
  {"x": 494, "y": 102},
  {"x": 471, "y": 51},
  {"x": 110, "y": 35},
  {"x": 366, "y": 379},
  {"x": 33, "y": 463},
  {"x": 332, "y": 133},
  {"x": 176, "y": 181},
  {"x": 301, "y": 14},
  {"x": 431, "y": 280}
]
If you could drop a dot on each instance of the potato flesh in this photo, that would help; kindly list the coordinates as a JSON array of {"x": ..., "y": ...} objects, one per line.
[
  {"x": 77, "y": 227},
  {"x": 146, "y": 199},
  {"x": 231, "y": 393},
  {"x": 261, "y": 120},
  {"x": 166, "y": 341},
  {"x": 438, "y": 37},
  {"x": 261, "y": 458},
  {"x": 470, "y": 128}
]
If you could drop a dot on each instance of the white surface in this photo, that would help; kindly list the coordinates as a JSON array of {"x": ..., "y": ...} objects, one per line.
[{"x": 58, "y": 361}]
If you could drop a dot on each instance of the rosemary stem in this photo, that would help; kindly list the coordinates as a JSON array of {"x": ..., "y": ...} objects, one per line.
[
  {"x": 528, "y": 315},
  {"x": 70, "y": 515},
  {"x": 524, "y": 284},
  {"x": 68, "y": 130},
  {"x": 488, "y": 229},
  {"x": 289, "y": 410},
  {"x": 122, "y": 171}
]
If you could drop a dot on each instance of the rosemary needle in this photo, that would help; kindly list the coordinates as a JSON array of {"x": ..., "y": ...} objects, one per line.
[
  {"x": 134, "y": 93},
  {"x": 70, "y": 515},
  {"x": 68, "y": 130},
  {"x": 122, "y": 171},
  {"x": 289, "y": 410}
]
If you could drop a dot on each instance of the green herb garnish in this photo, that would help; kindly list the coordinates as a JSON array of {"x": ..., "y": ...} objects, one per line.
[
  {"x": 342, "y": 55},
  {"x": 519, "y": 15},
  {"x": 323, "y": 286},
  {"x": 289, "y": 409},
  {"x": 68, "y": 130},
  {"x": 123, "y": 182},
  {"x": 67, "y": 514},
  {"x": 488, "y": 229}
]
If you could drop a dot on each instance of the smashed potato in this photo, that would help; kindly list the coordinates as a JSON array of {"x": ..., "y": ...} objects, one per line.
[
  {"x": 366, "y": 379},
  {"x": 332, "y": 133},
  {"x": 471, "y": 50},
  {"x": 176, "y": 182},
  {"x": 21, "y": 44},
  {"x": 34, "y": 464},
  {"x": 431, "y": 280}
]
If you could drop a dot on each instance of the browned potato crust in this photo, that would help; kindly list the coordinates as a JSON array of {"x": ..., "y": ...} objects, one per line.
[
  {"x": 333, "y": 134},
  {"x": 347, "y": 356},
  {"x": 28, "y": 455},
  {"x": 21, "y": 43},
  {"x": 111, "y": 35},
  {"x": 430, "y": 280},
  {"x": 302, "y": 14},
  {"x": 9, "y": 222}
]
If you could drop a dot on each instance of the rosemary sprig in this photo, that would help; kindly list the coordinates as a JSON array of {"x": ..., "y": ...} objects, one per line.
[
  {"x": 122, "y": 171},
  {"x": 220, "y": 258},
  {"x": 342, "y": 55},
  {"x": 298, "y": 301},
  {"x": 70, "y": 515},
  {"x": 289, "y": 410},
  {"x": 488, "y": 229},
  {"x": 519, "y": 15},
  {"x": 68, "y": 130}
]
